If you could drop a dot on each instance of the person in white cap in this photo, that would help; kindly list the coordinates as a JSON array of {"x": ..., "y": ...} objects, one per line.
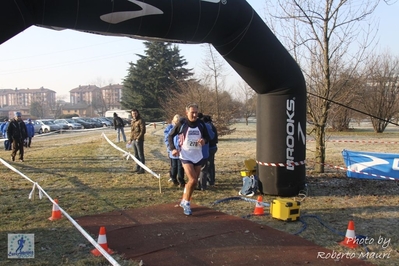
[{"x": 16, "y": 134}]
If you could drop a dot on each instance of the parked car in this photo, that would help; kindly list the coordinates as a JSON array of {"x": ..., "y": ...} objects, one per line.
[
  {"x": 105, "y": 122},
  {"x": 48, "y": 125},
  {"x": 37, "y": 126},
  {"x": 94, "y": 121},
  {"x": 62, "y": 125},
  {"x": 68, "y": 124},
  {"x": 83, "y": 123},
  {"x": 127, "y": 122},
  {"x": 75, "y": 125},
  {"x": 110, "y": 119}
]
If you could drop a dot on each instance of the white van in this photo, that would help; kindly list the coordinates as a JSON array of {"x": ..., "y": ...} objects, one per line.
[{"x": 125, "y": 114}]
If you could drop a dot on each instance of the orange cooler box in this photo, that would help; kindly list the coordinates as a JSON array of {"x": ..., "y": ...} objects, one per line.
[{"x": 285, "y": 209}]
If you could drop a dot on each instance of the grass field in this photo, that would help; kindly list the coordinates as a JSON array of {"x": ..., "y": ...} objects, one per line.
[{"x": 88, "y": 176}]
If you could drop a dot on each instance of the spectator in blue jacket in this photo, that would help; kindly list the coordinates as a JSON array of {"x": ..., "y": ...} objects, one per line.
[
  {"x": 30, "y": 128},
  {"x": 3, "y": 131},
  {"x": 176, "y": 170},
  {"x": 2, "y": 126}
]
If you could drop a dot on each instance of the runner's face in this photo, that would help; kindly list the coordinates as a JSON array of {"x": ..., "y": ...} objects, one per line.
[{"x": 192, "y": 114}]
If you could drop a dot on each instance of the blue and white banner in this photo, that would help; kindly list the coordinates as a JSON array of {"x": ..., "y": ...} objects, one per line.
[{"x": 371, "y": 165}]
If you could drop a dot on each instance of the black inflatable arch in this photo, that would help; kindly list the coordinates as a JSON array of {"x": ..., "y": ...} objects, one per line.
[{"x": 236, "y": 32}]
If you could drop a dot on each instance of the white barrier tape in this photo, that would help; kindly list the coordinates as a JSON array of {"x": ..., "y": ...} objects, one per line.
[
  {"x": 32, "y": 193},
  {"x": 125, "y": 153},
  {"x": 9, "y": 166},
  {"x": 80, "y": 229}
]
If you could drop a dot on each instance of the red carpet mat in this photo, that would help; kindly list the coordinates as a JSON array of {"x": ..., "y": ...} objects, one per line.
[{"x": 163, "y": 235}]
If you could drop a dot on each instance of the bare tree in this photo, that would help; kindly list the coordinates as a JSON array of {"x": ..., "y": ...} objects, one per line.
[
  {"x": 213, "y": 74},
  {"x": 37, "y": 110},
  {"x": 381, "y": 88},
  {"x": 248, "y": 98},
  {"x": 193, "y": 91},
  {"x": 326, "y": 37},
  {"x": 100, "y": 102},
  {"x": 344, "y": 106}
]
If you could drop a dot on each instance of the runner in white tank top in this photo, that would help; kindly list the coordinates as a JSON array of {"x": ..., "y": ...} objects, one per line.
[{"x": 190, "y": 152}]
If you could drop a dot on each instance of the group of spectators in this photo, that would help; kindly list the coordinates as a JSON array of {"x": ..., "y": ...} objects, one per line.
[{"x": 191, "y": 145}]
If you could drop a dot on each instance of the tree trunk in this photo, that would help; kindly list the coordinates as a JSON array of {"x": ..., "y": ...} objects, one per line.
[{"x": 320, "y": 153}]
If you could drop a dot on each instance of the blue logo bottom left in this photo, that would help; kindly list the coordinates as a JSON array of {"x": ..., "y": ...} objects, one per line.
[{"x": 21, "y": 246}]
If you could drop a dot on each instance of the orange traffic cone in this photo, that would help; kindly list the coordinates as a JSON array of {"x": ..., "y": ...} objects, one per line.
[
  {"x": 56, "y": 213},
  {"x": 259, "y": 209},
  {"x": 350, "y": 237},
  {"x": 102, "y": 241}
]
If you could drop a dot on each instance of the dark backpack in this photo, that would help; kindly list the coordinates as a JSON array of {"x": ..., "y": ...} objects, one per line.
[{"x": 249, "y": 186}]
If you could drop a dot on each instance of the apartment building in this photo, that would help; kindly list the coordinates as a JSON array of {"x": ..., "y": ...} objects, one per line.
[{"x": 85, "y": 100}]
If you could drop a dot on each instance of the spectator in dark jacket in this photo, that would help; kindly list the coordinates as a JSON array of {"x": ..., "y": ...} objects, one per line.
[
  {"x": 120, "y": 127},
  {"x": 30, "y": 128},
  {"x": 17, "y": 133},
  {"x": 212, "y": 150},
  {"x": 204, "y": 174}
]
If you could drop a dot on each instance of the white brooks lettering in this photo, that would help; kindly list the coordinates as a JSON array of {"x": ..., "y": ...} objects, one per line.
[
  {"x": 290, "y": 130},
  {"x": 117, "y": 17},
  {"x": 361, "y": 166}
]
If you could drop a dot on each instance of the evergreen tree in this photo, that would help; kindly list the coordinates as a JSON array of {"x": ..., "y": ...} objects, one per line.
[{"x": 152, "y": 77}]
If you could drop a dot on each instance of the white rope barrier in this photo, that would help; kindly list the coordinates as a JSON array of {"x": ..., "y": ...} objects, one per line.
[
  {"x": 128, "y": 155},
  {"x": 80, "y": 229}
]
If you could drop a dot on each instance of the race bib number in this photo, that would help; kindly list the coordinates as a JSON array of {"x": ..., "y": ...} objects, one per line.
[{"x": 192, "y": 144}]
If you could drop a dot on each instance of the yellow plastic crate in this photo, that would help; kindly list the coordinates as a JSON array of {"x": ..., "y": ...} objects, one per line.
[{"x": 285, "y": 209}]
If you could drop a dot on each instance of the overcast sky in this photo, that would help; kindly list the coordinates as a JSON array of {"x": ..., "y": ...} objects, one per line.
[{"x": 63, "y": 60}]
